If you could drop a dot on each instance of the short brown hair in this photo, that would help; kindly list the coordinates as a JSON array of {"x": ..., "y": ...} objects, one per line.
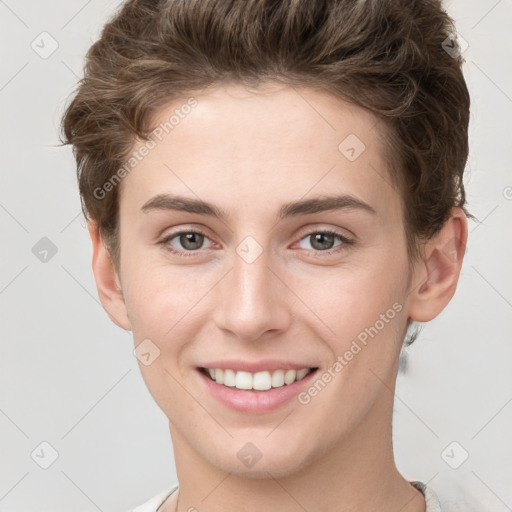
[{"x": 387, "y": 56}]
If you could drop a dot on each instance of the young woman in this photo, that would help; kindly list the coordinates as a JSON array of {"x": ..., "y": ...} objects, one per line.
[{"x": 274, "y": 194}]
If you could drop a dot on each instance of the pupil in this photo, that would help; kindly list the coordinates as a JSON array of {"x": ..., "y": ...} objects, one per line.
[
  {"x": 321, "y": 237},
  {"x": 188, "y": 238}
]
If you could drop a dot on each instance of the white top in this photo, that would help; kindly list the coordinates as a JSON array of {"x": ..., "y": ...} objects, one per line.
[{"x": 155, "y": 502}]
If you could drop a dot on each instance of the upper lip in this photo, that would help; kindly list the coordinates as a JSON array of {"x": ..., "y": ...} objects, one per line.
[{"x": 254, "y": 366}]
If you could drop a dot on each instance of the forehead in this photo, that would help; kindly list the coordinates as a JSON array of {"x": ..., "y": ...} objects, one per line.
[{"x": 232, "y": 145}]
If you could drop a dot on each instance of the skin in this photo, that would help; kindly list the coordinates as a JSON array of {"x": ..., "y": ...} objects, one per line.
[{"x": 249, "y": 152}]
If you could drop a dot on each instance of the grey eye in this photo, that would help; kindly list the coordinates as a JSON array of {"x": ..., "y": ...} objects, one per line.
[
  {"x": 191, "y": 241},
  {"x": 322, "y": 241}
]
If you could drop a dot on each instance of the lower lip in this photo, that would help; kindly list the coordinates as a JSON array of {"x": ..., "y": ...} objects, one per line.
[{"x": 256, "y": 401}]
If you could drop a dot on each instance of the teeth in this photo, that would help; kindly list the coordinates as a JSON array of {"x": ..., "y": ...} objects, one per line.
[
  {"x": 290, "y": 376},
  {"x": 278, "y": 379},
  {"x": 229, "y": 378},
  {"x": 243, "y": 380},
  {"x": 302, "y": 373},
  {"x": 260, "y": 381}
]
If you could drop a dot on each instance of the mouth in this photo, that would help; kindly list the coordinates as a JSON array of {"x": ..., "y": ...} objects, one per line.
[
  {"x": 255, "y": 387},
  {"x": 261, "y": 381}
]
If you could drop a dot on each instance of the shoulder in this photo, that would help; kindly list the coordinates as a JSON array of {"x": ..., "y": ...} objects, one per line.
[
  {"x": 152, "y": 504},
  {"x": 431, "y": 499}
]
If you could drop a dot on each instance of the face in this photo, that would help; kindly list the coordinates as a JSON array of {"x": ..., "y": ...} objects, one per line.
[{"x": 277, "y": 280}]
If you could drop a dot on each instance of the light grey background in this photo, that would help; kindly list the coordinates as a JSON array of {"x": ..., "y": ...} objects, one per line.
[{"x": 68, "y": 376}]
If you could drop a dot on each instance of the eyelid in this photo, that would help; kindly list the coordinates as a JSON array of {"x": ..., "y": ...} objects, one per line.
[
  {"x": 319, "y": 228},
  {"x": 168, "y": 237}
]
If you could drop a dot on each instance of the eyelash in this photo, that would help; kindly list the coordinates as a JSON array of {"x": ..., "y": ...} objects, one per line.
[{"x": 345, "y": 241}]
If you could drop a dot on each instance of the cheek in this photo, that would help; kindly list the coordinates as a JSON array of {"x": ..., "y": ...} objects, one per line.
[
  {"x": 169, "y": 306},
  {"x": 365, "y": 311},
  {"x": 158, "y": 296},
  {"x": 347, "y": 301},
  {"x": 161, "y": 309}
]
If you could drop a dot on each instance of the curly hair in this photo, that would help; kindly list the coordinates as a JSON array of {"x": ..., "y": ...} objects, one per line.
[{"x": 387, "y": 56}]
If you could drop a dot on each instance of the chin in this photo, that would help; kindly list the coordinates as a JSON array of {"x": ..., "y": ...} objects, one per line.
[{"x": 248, "y": 461}]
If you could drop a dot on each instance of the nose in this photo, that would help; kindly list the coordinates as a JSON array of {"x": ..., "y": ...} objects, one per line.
[{"x": 253, "y": 299}]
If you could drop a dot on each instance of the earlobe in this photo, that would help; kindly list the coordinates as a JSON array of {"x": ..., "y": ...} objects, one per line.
[
  {"x": 436, "y": 275},
  {"x": 107, "y": 281}
]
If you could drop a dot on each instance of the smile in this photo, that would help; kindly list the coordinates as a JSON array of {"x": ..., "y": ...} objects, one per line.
[
  {"x": 257, "y": 392},
  {"x": 259, "y": 381}
]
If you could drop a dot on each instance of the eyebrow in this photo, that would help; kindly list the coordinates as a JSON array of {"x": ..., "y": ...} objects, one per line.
[{"x": 292, "y": 209}]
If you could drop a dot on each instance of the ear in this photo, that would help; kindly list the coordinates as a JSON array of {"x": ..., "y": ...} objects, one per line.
[
  {"x": 107, "y": 281},
  {"x": 436, "y": 275}
]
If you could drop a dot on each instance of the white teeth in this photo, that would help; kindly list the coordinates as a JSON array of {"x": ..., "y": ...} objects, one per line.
[
  {"x": 229, "y": 378},
  {"x": 243, "y": 380},
  {"x": 290, "y": 376},
  {"x": 278, "y": 379},
  {"x": 260, "y": 381}
]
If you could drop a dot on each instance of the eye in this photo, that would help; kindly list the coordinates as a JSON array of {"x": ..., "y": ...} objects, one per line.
[
  {"x": 323, "y": 241},
  {"x": 191, "y": 241}
]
